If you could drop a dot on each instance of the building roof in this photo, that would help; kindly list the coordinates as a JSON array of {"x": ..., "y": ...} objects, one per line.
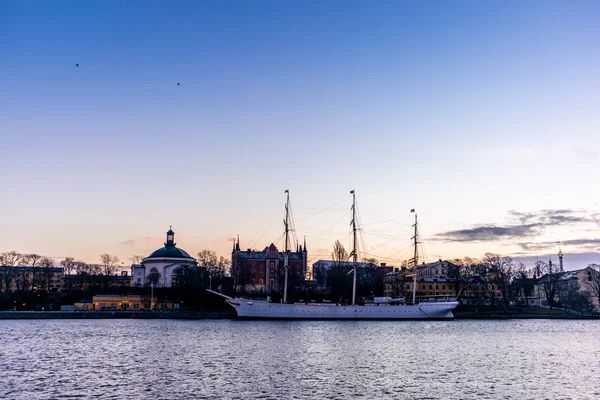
[{"x": 169, "y": 251}]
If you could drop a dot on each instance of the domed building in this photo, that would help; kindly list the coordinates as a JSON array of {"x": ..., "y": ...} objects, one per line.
[{"x": 162, "y": 265}]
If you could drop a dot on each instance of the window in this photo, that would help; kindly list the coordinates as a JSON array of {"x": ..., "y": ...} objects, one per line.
[
  {"x": 136, "y": 306},
  {"x": 253, "y": 279},
  {"x": 272, "y": 281},
  {"x": 430, "y": 287},
  {"x": 261, "y": 282}
]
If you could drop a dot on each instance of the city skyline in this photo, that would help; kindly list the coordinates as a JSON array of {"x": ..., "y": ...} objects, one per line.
[{"x": 119, "y": 120}]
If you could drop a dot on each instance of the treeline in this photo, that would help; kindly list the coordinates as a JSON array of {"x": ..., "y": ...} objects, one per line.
[{"x": 500, "y": 280}]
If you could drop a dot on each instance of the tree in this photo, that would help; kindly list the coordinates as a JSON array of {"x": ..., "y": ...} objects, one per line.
[
  {"x": 500, "y": 270},
  {"x": 215, "y": 266},
  {"x": 108, "y": 263},
  {"x": 136, "y": 259},
  {"x": 524, "y": 283},
  {"x": 8, "y": 261},
  {"x": 68, "y": 265},
  {"x": 339, "y": 281},
  {"x": 593, "y": 280},
  {"x": 45, "y": 273},
  {"x": 153, "y": 278},
  {"x": 460, "y": 272},
  {"x": 550, "y": 281},
  {"x": 371, "y": 260}
]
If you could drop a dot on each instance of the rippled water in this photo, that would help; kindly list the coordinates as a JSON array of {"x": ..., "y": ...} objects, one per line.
[{"x": 169, "y": 359}]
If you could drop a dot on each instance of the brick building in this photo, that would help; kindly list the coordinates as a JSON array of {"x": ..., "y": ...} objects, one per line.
[{"x": 262, "y": 271}]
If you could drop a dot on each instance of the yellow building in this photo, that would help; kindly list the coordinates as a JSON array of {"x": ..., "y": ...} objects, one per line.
[
  {"x": 127, "y": 302},
  {"x": 432, "y": 281}
]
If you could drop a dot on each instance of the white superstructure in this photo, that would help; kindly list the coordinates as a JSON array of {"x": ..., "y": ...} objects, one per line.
[{"x": 261, "y": 309}]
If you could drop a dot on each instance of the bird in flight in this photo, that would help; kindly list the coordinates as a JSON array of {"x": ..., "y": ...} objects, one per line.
[
  {"x": 178, "y": 83},
  {"x": 77, "y": 65}
]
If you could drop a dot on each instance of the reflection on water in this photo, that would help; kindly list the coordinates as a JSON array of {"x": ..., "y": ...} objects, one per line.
[{"x": 155, "y": 359}]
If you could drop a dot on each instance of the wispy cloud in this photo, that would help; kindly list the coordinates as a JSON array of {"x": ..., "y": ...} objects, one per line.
[
  {"x": 487, "y": 233},
  {"x": 147, "y": 239},
  {"x": 520, "y": 225},
  {"x": 579, "y": 244},
  {"x": 224, "y": 240}
]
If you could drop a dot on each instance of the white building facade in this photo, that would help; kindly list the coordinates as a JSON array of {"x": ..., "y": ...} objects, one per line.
[{"x": 162, "y": 267}]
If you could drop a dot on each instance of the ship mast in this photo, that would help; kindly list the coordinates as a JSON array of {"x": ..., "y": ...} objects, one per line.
[
  {"x": 354, "y": 253},
  {"x": 286, "y": 225},
  {"x": 415, "y": 259}
]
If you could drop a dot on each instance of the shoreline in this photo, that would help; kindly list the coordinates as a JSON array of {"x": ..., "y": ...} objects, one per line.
[{"x": 200, "y": 315}]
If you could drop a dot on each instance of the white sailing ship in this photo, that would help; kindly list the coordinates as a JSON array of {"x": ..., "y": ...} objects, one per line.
[{"x": 382, "y": 308}]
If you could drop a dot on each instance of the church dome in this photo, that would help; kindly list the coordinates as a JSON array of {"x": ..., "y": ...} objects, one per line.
[{"x": 170, "y": 250}]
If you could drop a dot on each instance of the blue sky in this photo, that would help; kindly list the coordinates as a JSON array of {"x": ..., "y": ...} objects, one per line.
[{"x": 468, "y": 111}]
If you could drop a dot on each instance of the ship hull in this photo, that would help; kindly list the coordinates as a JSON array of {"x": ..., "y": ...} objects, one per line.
[{"x": 250, "y": 309}]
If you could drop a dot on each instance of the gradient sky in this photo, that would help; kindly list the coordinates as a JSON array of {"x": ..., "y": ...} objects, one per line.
[{"x": 484, "y": 116}]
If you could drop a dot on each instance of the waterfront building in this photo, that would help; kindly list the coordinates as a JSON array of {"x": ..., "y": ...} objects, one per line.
[
  {"x": 262, "y": 271},
  {"x": 123, "y": 302},
  {"x": 31, "y": 278},
  {"x": 432, "y": 280},
  {"x": 568, "y": 286},
  {"x": 162, "y": 267},
  {"x": 86, "y": 281}
]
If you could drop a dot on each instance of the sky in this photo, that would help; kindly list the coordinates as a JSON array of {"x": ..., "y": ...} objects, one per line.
[{"x": 482, "y": 116}]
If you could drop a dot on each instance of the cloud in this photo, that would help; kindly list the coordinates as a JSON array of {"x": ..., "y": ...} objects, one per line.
[
  {"x": 520, "y": 225},
  {"x": 132, "y": 242},
  {"x": 489, "y": 233},
  {"x": 149, "y": 239},
  {"x": 579, "y": 244},
  {"x": 224, "y": 240}
]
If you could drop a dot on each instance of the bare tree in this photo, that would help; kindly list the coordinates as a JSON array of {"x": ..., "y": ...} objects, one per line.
[
  {"x": 550, "y": 281},
  {"x": 460, "y": 272},
  {"x": 524, "y": 283},
  {"x": 46, "y": 265},
  {"x": 68, "y": 265},
  {"x": 37, "y": 276},
  {"x": 371, "y": 260},
  {"x": 108, "y": 263},
  {"x": 500, "y": 269},
  {"x": 153, "y": 278},
  {"x": 137, "y": 259},
  {"x": 10, "y": 259},
  {"x": 207, "y": 258},
  {"x": 338, "y": 280}
]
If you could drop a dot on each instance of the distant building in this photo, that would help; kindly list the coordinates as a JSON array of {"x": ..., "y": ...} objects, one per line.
[
  {"x": 85, "y": 281},
  {"x": 262, "y": 271},
  {"x": 432, "y": 281},
  {"x": 31, "y": 278},
  {"x": 567, "y": 284},
  {"x": 127, "y": 302},
  {"x": 164, "y": 264}
]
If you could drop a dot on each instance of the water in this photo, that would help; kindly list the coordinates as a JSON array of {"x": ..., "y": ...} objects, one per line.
[{"x": 156, "y": 359}]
